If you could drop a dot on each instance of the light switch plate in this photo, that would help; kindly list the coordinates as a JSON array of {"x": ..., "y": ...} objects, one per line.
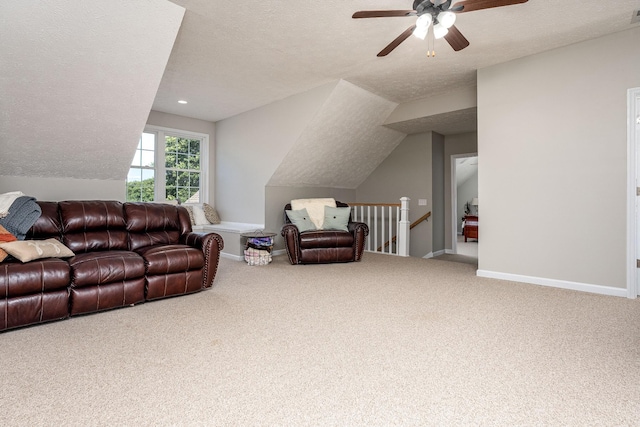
[{"x": 422, "y": 202}]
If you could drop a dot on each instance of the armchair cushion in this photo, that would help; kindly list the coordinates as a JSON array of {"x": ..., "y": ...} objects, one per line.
[
  {"x": 315, "y": 207},
  {"x": 336, "y": 218},
  {"x": 300, "y": 218}
]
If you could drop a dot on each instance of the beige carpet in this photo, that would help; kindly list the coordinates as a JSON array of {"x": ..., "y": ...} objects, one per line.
[{"x": 387, "y": 341}]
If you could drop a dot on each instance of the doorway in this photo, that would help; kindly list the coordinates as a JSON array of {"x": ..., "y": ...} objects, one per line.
[{"x": 464, "y": 200}]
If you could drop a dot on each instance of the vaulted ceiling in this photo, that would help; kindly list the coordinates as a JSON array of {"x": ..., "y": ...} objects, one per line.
[
  {"x": 231, "y": 57},
  {"x": 78, "y": 79}
]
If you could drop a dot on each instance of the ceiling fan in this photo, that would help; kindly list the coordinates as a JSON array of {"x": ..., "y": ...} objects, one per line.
[{"x": 436, "y": 12}]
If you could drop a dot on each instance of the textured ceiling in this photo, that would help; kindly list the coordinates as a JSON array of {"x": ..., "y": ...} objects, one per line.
[
  {"x": 230, "y": 58},
  {"x": 343, "y": 154},
  {"x": 77, "y": 81},
  {"x": 451, "y": 123}
]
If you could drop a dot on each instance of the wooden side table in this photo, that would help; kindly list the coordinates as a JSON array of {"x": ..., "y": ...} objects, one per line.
[{"x": 470, "y": 230}]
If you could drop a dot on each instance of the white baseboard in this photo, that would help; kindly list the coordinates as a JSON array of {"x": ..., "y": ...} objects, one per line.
[
  {"x": 449, "y": 251},
  {"x": 434, "y": 254},
  {"x": 554, "y": 283},
  {"x": 231, "y": 256}
]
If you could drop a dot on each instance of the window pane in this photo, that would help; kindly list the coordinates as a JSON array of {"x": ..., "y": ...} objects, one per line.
[
  {"x": 182, "y": 146},
  {"x": 148, "y": 174},
  {"x": 182, "y": 161},
  {"x": 172, "y": 179},
  {"x": 183, "y": 179},
  {"x": 148, "y": 141},
  {"x": 146, "y": 158},
  {"x": 135, "y": 174},
  {"x": 170, "y": 143},
  {"x": 171, "y": 194},
  {"x": 195, "y": 180},
  {"x": 194, "y": 162},
  {"x": 194, "y": 146},
  {"x": 189, "y": 195},
  {"x": 140, "y": 185},
  {"x": 136, "y": 159}
]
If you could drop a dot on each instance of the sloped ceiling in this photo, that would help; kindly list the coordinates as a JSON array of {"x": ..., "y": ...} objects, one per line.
[
  {"x": 343, "y": 144},
  {"x": 233, "y": 56},
  {"x": 77, "y": 81}
]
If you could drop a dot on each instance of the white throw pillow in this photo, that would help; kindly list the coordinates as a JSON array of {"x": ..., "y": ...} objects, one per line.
[
  {"x": 198, "y": 216},
  {"x": 315, "y": 208}
]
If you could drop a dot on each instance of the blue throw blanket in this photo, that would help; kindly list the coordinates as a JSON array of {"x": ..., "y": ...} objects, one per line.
[{"x": 23, "y": 213}]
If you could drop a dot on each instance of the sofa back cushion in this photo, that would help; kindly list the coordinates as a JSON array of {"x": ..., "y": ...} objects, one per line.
[
  {"x": 93, "y": 225},
  {"x": 151, "y": 224},
  {"x": 48, "y": 225}
]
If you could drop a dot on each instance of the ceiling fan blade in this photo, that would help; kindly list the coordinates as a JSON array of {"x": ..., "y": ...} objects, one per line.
[
  {"x": 471, "y": 5},
  {"x": 383, "y": 13},
  {"x": 455, "y": 38},
  {"x": 394, "y": 44}
]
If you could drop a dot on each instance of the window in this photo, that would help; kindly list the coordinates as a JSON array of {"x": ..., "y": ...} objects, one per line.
[{"x": 169, "y": 164}]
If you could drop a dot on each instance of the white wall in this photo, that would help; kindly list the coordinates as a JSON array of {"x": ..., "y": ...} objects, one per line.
[
  {"x": 406, "y": 172},
  {"x": 552, "y": 146},
  {"x": 249, "y": 148}
]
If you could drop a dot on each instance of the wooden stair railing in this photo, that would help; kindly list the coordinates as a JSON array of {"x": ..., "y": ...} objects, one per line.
[{"x": 418, "y": 221}]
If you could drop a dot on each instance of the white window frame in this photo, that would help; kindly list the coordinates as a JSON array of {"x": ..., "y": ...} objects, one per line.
[{"x": 159, "y": 194}]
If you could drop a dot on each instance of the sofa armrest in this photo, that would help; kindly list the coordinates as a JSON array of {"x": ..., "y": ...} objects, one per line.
[
  {"x": 291, "y": 236},
  {"x": 360, "y": 231},
  {"x": 211, "y": 244}
]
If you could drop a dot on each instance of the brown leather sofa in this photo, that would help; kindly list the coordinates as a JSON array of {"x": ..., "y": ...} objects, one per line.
[
  {"x": 324, "y": 246},
  {"x": 125, "y": 254}
]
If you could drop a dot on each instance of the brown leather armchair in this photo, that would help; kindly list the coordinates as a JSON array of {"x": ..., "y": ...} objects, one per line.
[{"x": 324, "y": 246}]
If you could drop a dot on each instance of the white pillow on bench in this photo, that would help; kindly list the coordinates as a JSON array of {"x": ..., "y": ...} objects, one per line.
[{"x": 202, "y": 214}]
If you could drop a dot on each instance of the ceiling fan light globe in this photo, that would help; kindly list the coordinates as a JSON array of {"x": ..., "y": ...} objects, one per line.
[
  {"x": 424, "y": 21},
  {"x": 439, "y": 31},
  {"x": 420, "y": 32},
  {"x": 447, "y": 19}
]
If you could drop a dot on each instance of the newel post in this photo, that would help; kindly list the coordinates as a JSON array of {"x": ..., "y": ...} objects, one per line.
[{"x": 405, "y": 227}]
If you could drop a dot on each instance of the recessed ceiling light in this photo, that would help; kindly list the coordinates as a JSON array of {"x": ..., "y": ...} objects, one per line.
[{"x": 182, "y": 101}]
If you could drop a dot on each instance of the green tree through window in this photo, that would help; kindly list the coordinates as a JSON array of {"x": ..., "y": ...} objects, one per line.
[
  {"x": 182, "y": 163},
  {"x": 175, "y": 157}
]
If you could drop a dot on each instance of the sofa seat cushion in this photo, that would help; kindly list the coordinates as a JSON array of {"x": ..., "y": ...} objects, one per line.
[
  {"x": 166, "y": 259},
  {"x": 35, "y": 308},
  {"x": 325, "y": 239},
  {"x": 45, "y": 275},
  {"x": 97, "y": 268}
]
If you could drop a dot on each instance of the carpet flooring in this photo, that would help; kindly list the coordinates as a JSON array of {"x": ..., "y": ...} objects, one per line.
[{"x": 387, "y": 341}]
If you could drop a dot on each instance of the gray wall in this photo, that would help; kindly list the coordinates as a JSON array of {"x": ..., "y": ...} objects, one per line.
[
  {"x": 552, "y": 144},
  {"x": 251, "y": 146},
  {"x": 405, "y": 172},
  {"x": 466, "y": 143}
]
